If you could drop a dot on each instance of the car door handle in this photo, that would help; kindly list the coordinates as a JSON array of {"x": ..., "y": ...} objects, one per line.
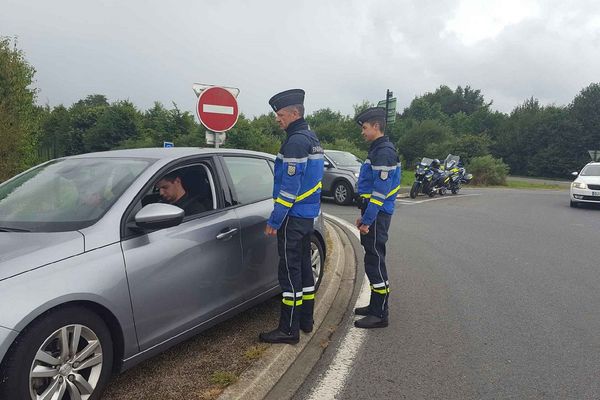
[{"x": 228, "y": 234}]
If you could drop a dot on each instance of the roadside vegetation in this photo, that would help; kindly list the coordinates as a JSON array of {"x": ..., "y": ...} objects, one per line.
[{"x": 532, "y": 140}]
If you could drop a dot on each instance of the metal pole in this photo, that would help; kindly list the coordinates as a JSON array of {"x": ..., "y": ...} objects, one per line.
[{"x": 387, "y": 108}]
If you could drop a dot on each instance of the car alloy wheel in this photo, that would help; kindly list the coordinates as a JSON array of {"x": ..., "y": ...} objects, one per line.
[
  {"x": 342, "y": 193},
  {"x": 316, "y": 260},
  {"x": 69, "y": 361}
]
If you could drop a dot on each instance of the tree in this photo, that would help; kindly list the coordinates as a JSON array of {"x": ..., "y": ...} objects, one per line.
[
  {"x": 18, "y": 114},
  {"x": 117, "y": 123}
]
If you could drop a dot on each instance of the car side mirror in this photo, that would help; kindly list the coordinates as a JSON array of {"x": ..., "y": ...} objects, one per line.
[
  {"x": 575, "y": 174},
  {"x": 326, "y": 164},
  {"x": 159, "y": 216}
]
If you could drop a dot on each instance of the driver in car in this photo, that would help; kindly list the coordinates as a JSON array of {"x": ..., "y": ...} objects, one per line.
[{"x": 172, "y": 191}]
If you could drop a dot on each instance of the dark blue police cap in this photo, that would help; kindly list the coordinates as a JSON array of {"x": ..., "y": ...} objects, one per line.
[
  {"x": 287, "y": 98},
  {"x": 370, "y": 113}
]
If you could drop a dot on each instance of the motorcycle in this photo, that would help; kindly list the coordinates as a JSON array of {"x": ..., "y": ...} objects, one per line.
[
  {"x": 423, "y": 177},
  {"x": 456, "y": 173}
]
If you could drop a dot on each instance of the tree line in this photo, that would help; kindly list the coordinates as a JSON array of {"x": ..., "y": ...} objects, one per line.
[{"x": 532, "y": 140}]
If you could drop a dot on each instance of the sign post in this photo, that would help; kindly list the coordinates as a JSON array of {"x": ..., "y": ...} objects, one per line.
[
  {"x": 217, "y": 110},
  {"x": 390, "y": 108}
]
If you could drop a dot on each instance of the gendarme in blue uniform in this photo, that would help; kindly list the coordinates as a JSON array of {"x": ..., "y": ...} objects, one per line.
[
  {"x": 378, "y": 184},
  {"x": 297, "y": 201}
]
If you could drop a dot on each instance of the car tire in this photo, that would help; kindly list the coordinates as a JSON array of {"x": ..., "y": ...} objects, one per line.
[
  {"x": 39, "y": 351},
  {"x": 574, "y": 204},
  {"x": 342, "y": 193},
  {"x": 317, "y": 260}
]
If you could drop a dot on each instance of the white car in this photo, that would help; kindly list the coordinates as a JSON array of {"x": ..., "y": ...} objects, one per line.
[{"x": 586, "y": 187}]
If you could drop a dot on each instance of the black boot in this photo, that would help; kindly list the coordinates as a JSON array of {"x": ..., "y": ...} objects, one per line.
[
  {"x": 306, "y": 328},
  {"x": 362, "y": 310},
  {"x": 371, "y": 321},
  {"x": 277, "y": 336}
]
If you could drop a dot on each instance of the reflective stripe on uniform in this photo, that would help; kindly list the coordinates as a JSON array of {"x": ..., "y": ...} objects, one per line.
[
  {"x": 383, "y": 291},
  {"x": 366, "y": 195},
  {"x": 309, "y": 192},
  {"x": 316, "y": 156},
  {"x": 374, "y": 201},
  {"x": 291, "y": 302},
  {"x": 285, "y": 203},
  {"x": 393, "y": 191},
  {"x": 288, "y": 195},
  {"x": 377, "y": 194},
  {"x": 308, "y": 293},
  {"x": 295, "y": 160},
  {"x": 383, "y": 168}
]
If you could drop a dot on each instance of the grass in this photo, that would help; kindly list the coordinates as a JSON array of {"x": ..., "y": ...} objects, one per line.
[
  {"x": 516, "y": 184},
  {"x": 255, "y": 352},
  {"x": 223, "y": 378}
]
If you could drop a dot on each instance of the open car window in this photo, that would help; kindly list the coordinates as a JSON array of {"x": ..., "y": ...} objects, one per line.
[{"x": 192, "y": 188}]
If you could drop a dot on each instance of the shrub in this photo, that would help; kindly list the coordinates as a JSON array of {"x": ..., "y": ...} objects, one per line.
[{"x": 488, "y": 170}]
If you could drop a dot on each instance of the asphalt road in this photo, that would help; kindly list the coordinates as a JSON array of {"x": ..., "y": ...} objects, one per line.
[{"x": 495, "y": 295}]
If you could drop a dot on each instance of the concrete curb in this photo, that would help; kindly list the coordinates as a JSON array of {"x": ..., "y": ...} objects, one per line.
[{"x": 260, "y": 378}]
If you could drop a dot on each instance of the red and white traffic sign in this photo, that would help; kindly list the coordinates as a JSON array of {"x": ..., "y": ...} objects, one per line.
[{"x": 217, "y": 109}]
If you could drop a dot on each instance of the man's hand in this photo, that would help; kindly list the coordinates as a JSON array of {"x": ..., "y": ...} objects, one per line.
[
  {"x": 270, "y": 231},
  {"x": 358, "y": 222},
  {"x": 364, "y": 229}
]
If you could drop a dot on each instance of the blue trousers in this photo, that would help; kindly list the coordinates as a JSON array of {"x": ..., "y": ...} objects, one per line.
[
  {"x": 375, "y": 268},
  {"x": 295, "y": 274}
]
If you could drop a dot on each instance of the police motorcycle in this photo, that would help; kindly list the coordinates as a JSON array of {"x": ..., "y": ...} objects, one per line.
[
  {"x": 456, "y": 173},
  {"x": 423, "y": 177},
  {"x": 440, "y": 180}
]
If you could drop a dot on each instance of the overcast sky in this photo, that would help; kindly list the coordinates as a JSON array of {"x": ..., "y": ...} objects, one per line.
[{"x": 340, "y": 51}]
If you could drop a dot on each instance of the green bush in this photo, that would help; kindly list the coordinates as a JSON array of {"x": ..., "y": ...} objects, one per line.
[{"x": 488, "y": 170}]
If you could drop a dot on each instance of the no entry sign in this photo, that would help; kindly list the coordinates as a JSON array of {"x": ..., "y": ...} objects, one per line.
[{"x": 217, "y": 109}]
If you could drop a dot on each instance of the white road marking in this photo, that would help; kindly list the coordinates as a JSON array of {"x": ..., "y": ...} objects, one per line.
[
  {"x": 332, "y": 382},
  {"x": 212, "y": 108},
  {"x": 411, "y": 202}
]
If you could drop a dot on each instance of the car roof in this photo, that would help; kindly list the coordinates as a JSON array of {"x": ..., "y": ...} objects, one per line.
[{"x": 172, "y": 153}]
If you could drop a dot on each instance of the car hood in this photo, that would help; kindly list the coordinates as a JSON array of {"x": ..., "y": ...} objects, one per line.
[
  {"x": 21, "y": 252},
  {"x": 350, "y": 169},
  {"x": 594, "y": 180}
]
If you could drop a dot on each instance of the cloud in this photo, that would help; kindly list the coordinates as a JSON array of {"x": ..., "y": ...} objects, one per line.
[{"x": 340, "y": 52}]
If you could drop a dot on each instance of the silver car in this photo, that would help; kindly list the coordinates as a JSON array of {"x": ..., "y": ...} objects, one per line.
[
  {"x": 340, "y": 176},
  {"x": 96, "y": 274}
]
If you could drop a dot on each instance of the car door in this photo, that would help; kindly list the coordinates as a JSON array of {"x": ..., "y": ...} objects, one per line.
[
  {"x": 328, "y": 176},
  {"x": 252, "y": 181},
  {"x": 181, "y": 277}
]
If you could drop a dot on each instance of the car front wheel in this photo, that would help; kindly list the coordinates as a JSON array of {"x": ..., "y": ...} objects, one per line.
[
  {"x": 342, "y": 193},
  {"x": 317, "y": 260},
  {"x": 65, "y": 354},
  {"x": 574, "y": 204}
]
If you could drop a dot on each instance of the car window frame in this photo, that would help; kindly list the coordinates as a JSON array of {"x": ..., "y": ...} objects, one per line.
[
  {"x": 219, "y": 192},
  {"x": 268, "y": 160}
]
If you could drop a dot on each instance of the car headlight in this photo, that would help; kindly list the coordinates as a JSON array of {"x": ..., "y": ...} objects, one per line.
[
  {"x": 579, "y": 185},
  {"x": 356, "y": 174}
]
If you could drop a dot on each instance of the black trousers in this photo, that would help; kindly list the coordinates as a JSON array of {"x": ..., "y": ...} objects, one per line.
[
  {"x": 295, "y": 274},
  {"x": 375, "y": 268}
]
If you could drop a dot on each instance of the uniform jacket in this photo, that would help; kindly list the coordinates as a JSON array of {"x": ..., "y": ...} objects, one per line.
[
  {"x": 379, "y": 179},
  {"x": 298, "y": 175}
]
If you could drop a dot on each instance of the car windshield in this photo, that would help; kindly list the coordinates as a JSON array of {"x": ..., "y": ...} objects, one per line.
[
  {"x": 343, "y": 158},
  {"x": 65, "y": 195},
  {"x": 591, "y": 170}
]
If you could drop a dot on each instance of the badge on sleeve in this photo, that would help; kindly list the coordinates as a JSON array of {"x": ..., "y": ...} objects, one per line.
[
  {"x": 291, "y": 169},
  {"x": 383, "y": 175}
]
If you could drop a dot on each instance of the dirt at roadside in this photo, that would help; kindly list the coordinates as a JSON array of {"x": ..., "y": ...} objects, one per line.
[{"x": 200, "y": 368}]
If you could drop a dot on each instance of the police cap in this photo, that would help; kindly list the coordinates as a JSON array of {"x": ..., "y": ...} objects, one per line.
[
  {"x": 287, "y": 98},
  {"x": 369, "y": 114}
]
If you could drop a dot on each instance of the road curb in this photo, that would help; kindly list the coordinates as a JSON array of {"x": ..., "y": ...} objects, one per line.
[{"x": 258, "y": 380}]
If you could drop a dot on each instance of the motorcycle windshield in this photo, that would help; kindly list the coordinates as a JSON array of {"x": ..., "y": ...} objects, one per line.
[
  {"x": 426, "y": 161},
  {"x": 451, "y": 161}
]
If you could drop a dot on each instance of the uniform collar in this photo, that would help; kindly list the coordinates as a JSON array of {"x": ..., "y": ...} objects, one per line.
[
  {"x": 298, "y": 125},
  {"x": 379, "y": 141}
]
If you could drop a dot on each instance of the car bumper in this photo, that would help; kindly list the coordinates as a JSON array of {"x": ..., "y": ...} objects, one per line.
[
  {"x": 585, "y": 195},
  {"x": 7, "y": 337}
]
